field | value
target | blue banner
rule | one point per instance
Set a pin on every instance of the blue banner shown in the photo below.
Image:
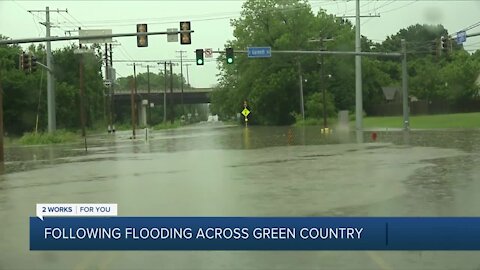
(254, 233)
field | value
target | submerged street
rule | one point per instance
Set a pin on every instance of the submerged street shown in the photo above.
(211, 169)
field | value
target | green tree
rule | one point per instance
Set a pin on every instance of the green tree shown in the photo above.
(314, 105)
(271, 85)
(25, 93)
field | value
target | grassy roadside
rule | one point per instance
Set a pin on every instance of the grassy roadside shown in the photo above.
(315, 122)
(458, 120)
(60, 136)
(438, 121)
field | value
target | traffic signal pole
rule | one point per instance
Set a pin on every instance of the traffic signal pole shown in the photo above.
(2, 156)
(33, 40)
(172, 109)
(165, 93)
(52, 122)
(358, 72)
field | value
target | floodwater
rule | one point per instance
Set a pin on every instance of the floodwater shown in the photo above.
(217, 170)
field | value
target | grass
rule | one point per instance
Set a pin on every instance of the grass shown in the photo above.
(458, 120)
(314, 122)
(59, 136)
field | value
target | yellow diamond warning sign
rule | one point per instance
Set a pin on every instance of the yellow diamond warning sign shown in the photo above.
(245, 112)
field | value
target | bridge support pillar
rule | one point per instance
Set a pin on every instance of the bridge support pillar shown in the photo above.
(142, 113)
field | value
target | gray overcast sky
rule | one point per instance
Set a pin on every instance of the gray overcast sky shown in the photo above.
(210, 21)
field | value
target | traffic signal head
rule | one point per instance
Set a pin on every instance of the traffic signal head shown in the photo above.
(142, 40)
(185, 38)
(443, 42)
(33, 63)
(199, 54)
(229, 53)
(26, 62)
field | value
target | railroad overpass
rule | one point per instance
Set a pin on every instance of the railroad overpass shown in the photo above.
(190, 96)
(122, 100)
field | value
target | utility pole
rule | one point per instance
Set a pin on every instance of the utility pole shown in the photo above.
(358, 67)
(300, 77)
(2, 155)
(165, 94)
(52, 125)
(111, 90)
(181, 79)
(406, 121)
(82, 102)
(188, 79)
(322, 79)
(358, 72)
(172, 110)
(132, 100)
(149, 97)
(322, 83)
(105, 105)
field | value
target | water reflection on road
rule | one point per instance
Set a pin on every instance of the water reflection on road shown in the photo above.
(216, 170)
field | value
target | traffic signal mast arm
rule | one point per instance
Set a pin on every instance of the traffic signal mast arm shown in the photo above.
(44, 66)
(42, 39)
(385, 54)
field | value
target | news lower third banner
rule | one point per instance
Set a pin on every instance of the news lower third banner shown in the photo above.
(254, 233)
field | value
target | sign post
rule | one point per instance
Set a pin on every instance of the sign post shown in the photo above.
(245, 112)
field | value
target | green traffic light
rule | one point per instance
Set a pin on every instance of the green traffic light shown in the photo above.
(199, 61)
(229, 55)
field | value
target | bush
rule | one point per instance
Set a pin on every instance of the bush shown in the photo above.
(314, 106)
(60, 136)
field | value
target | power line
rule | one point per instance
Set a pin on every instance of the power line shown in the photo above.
(400, 7)
(169, 20)
(73, 24)
(124, 51)
(472, 44)
(75, 19)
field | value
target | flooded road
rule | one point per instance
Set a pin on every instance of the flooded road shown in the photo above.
(217, 170)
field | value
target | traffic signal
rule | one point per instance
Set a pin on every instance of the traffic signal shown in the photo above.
(33, 63)
(142, 40)
(20, 61)
(230, 58)
(185, 38)
(199, 53)
(26, 62)
(444, 43)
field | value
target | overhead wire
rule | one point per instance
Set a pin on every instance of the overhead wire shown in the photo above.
(175, 19)
(33, 16)
(400, 7)
(75, 19)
